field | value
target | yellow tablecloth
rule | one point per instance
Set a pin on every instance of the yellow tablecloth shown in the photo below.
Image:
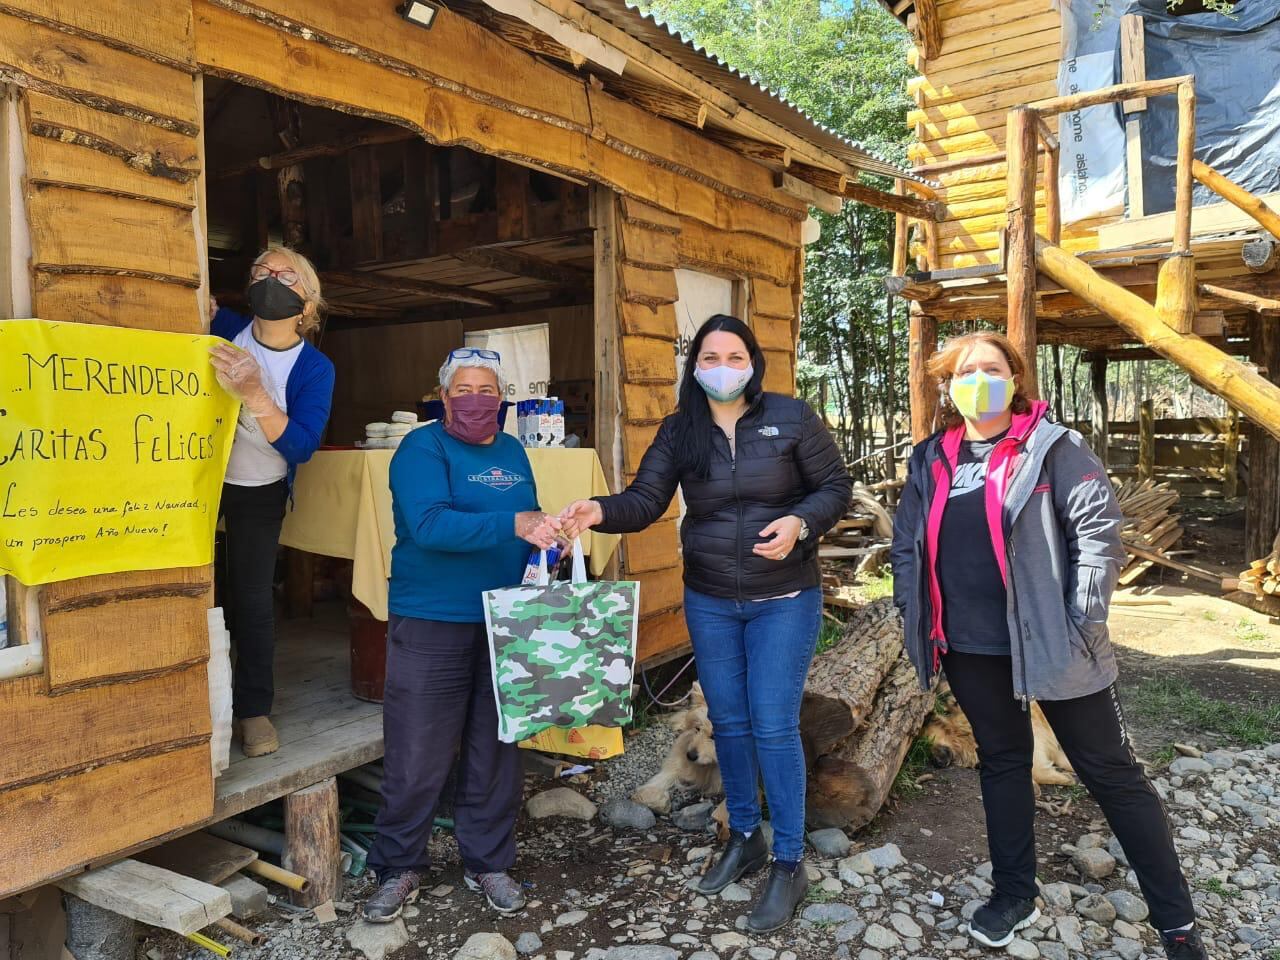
(342, 508)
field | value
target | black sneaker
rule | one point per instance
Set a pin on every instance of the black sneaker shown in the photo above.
(503, 893)
(1184, 945)
(742, 855)
(995, 924)
(396, 890)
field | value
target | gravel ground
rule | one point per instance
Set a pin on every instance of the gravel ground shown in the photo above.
(604, 893)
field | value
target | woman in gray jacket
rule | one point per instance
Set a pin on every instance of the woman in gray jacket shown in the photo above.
(1006, 550)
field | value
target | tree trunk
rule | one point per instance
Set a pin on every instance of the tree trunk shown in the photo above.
(311, 841)
(863, 708)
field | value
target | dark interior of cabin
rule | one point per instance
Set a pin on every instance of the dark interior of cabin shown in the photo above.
(420, 249)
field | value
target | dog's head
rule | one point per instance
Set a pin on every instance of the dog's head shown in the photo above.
(693, 731)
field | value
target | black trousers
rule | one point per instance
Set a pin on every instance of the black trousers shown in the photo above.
(439, 705)
(1092, 733)
(253, 517)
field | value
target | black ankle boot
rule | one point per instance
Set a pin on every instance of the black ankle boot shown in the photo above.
(783, 892)
(742, 855)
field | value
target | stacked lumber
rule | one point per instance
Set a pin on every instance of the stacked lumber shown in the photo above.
(1149, 521)
(862, 708)
(1262, 579)
(863, 536)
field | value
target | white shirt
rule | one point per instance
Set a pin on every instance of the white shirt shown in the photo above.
(254, 461)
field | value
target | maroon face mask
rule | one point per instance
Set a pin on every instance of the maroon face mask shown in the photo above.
(473, 417)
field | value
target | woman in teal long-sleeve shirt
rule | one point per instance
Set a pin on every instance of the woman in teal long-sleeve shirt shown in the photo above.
(466, 509)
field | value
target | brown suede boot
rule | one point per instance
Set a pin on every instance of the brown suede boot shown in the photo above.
(257, 736)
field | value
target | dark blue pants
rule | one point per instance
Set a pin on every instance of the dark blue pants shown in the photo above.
(752, 662)
(439, 705)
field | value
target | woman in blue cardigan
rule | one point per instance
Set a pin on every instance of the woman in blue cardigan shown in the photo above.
(285, 387)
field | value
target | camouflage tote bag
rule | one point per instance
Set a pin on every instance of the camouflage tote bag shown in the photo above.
(562, 654)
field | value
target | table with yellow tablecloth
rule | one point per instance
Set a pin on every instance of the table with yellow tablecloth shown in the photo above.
(342, 508)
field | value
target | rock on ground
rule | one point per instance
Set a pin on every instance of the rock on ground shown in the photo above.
(486, 946)
(528, 943)
(623, 814)
(1130, 908)
(377, 940)
(1094, 863)
(831, 842)
(560, 802)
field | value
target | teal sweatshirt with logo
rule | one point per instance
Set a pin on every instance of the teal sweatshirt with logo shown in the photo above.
(454, 506)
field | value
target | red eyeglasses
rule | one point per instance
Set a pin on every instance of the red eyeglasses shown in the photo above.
(260, 271)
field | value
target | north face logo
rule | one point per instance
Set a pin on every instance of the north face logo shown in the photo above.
(495, 478)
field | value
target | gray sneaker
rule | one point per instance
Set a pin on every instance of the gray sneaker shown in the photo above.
(396, 890)
(503, 893)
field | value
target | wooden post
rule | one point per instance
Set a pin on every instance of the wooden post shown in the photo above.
(1052, 200)
(924, 395)
(1058, 399)
(312, 848)
(1231, 457)
(290, 180)
(1133, 68)
(299, 583)
(1147, 439)
(608, 407)
(900, 228)
(513, 201)
(1020, 144)
(1176, 292)
(1099, 419)
(1262, 499)
(1186, 157)
(366, 204)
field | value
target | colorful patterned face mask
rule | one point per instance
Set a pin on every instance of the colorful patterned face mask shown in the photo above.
(979, 396)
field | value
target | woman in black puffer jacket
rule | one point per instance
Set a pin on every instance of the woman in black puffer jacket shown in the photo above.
(762, 481)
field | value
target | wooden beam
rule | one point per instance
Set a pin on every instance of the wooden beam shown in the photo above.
(366, 204)
(660, 101)
(1020, 141)
(311, 842)
(410, 287)
(1099, 418)
(1236, 382)
(1133, 69)
(773, 154)
(522, 264)
(1119, 91)
(1266, 306)
(290, 180)
(153, 895)
(928, 210)
(909, 288)
(901, 228)
(1186, 161)
(1238, 196)
(1052, 201)
(512, 193)
(333, 148)
(1231, 457)
(1261, 256)
(928, 28)
(802, 190)
(1176, 292)
(831, 181)
(608, 429)
(580, 42)
(923, 336)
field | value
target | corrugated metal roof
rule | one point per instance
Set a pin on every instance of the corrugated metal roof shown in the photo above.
(751, 94)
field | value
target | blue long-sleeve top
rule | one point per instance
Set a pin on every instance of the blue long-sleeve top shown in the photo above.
(308, 394)
(454, 506)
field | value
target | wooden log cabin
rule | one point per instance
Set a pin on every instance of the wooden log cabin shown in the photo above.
(1176, 261)
(450, 167)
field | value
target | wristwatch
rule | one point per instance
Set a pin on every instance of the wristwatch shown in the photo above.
(804, 529)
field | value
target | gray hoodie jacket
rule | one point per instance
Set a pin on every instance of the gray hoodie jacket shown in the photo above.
(1062, 553)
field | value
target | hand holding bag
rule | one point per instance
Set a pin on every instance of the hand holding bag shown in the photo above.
(562, 654)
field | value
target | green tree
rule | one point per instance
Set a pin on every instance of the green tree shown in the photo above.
(845, 65)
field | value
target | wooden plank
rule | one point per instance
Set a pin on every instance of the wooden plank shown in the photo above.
(76, 228)
(655, 218)
(722, 251)
(779, 375)
(1158, 228)
(110, 587)
(641, 285)
(648, 248)
(57, 163)
(648, 360)
(1021, 50)
(772, 299)
(648, 402)
(157, 30)
(979, 104)
(200, 856)
(636, 440)
(513, 202)
(1009, 74)
(116, 301)
(661, 590)
(651, 549)
(52, 827)
(773, 333)
(975, 23)
(91, 72)
(641, 319)
(662, 635)
(606, 340)
(51, 736)
(152, 894)
(144, 146)
(366, 204)
(130, 637)
(956, 41)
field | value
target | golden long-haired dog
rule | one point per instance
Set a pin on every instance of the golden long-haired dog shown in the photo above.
(691, 762)
(952, 743)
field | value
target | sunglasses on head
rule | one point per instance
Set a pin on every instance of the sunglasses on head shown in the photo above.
(466, 353)
(260, 271)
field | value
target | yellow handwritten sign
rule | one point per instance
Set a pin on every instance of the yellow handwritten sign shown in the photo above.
(113, 446)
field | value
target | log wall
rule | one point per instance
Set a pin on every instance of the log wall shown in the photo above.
(111, 743)
(994, 55)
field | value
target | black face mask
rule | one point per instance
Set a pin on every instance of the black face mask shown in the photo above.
(272, 300)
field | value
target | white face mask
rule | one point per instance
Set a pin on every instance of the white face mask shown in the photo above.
(724, 383)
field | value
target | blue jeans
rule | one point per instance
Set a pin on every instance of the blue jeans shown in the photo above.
(752, 662)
